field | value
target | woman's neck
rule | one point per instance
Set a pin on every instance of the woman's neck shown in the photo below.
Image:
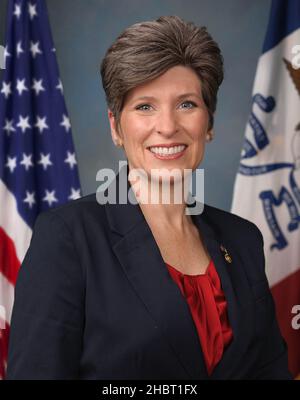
(163, 199)
(167, 216)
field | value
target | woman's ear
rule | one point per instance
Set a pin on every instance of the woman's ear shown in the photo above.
(113, 129)
(210, 135)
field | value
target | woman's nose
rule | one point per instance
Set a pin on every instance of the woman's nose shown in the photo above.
(166, 123)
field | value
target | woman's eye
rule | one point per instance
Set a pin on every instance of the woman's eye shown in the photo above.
(143, 107)
(191, 103)
(146, 107)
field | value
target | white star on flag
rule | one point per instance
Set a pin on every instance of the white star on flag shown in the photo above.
(27, 161)
(6, 89)
(32, 10)
(21, 86)
(29, 199)
(17, 11)
(50, 197)
(66, 123)
(41, 123)
(45, 160)
(34, 48)
(75, 194)
(19, 48)
(23, 123)
(60, 86)
(8, 127)
(38, 86)
(6, 53)
(71, 159)
(11, 163)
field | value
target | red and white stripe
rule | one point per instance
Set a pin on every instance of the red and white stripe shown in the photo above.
(15, 237)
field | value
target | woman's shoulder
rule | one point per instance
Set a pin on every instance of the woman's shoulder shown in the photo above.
(231, 225)
(76, 211)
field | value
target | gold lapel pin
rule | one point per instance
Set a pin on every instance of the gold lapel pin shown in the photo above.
(226, 254)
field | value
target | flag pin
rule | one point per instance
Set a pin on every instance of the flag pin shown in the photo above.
(226, 254)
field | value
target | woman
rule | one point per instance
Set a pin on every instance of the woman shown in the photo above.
(148, 290)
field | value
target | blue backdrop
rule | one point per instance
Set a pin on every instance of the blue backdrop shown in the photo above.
(82, 31)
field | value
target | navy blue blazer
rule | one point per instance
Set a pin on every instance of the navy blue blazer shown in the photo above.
(94, 300)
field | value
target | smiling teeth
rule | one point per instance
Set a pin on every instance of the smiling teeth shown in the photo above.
(162, 151)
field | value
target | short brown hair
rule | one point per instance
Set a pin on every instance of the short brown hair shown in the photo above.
(147, 49)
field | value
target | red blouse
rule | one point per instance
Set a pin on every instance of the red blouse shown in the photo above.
(208, 306)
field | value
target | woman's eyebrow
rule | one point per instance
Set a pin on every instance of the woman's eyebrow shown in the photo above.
(178, 97)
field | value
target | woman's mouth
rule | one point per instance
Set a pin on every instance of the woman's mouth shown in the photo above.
(167, 153)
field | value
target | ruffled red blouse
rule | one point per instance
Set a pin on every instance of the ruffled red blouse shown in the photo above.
(208, 306)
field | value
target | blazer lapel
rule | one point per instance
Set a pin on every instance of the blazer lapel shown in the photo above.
(236, 289)
(141, 260)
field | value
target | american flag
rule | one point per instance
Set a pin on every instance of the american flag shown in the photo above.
(38, 168)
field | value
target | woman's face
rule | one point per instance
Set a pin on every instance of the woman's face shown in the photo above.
(167, 111)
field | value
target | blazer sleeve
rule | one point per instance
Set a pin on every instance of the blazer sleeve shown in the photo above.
(274, 356)
(48, 313)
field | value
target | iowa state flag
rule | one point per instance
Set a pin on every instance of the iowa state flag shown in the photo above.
(38, 168)
(267, 186)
